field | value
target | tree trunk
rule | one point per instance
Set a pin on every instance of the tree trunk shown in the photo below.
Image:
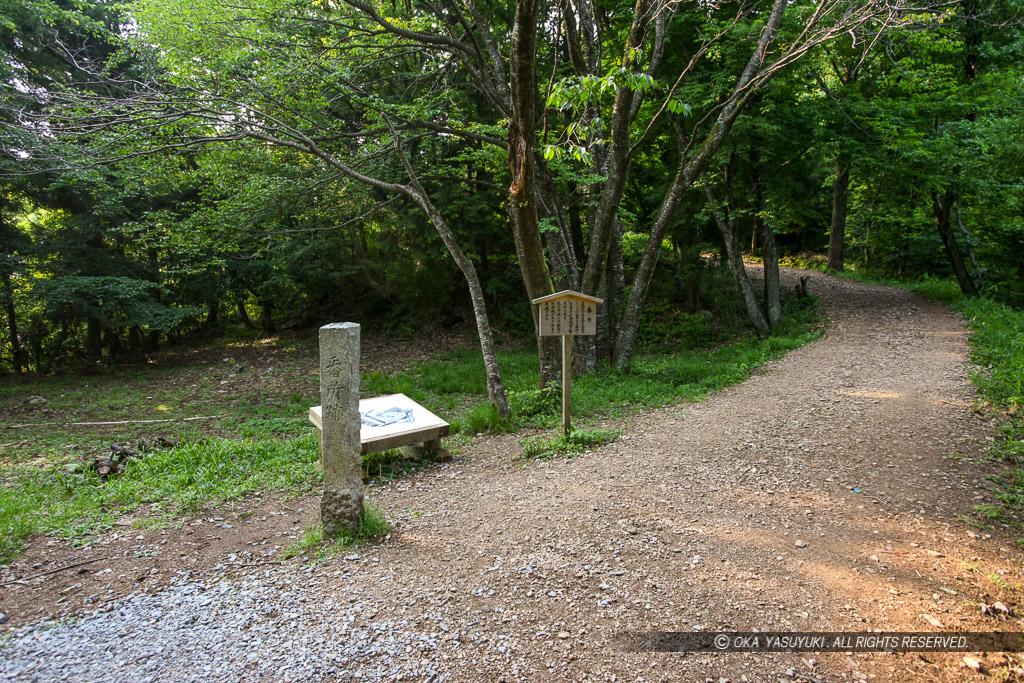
(772, 294)
(837, 232)
(576, 225)
(769, 250)
(93, 340)
(978, 270)
(266, 318)
(113, 338)
(212, 315)
(135, 341)
(630, 324)
(688, 170)
(943, 210)
(17, 355)
(615, 280)
(58, 347)
(522, 192)
(691, 287)
(734, 256)
(562, 252)
(244, 315)
(604, 217)
(495, 386)
(563, 269)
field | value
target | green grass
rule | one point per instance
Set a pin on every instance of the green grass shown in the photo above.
(267, 399)
(574, 443)
(312, 536)
(372, 523)
(79, 504)
(997, 347)
(997, 340)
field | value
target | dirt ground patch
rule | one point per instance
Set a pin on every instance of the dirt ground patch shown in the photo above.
(833, 491)
(185, 393)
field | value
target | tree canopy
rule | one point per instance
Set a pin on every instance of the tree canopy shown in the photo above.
(170, 164)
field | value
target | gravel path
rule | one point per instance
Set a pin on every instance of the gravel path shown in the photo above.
(822, 494)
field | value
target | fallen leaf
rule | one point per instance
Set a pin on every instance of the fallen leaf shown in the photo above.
(973, 663)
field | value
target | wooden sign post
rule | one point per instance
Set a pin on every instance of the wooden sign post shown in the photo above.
(564, 314)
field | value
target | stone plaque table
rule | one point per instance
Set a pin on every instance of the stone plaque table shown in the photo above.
(392, 421)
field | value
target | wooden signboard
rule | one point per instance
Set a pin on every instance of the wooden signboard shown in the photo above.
(567, 313)
(564, 314)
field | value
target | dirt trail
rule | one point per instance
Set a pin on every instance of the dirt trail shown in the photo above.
(821, 495)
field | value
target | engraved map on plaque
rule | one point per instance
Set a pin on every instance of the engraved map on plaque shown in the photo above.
(386, 416)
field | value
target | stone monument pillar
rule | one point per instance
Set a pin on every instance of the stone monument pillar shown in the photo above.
(339, 397)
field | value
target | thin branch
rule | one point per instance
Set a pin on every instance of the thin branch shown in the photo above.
(52, 571)
(104, 424)
(356, 219)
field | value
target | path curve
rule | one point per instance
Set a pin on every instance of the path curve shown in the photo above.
(820, 495)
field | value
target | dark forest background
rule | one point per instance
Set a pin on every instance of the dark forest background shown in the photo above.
(173, 171)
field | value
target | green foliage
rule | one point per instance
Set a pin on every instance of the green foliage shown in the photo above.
(312, 536)
(481, 418)
(664, 325)
(997, 338)
(118, 301)
(997, 346)
(273, 427)
(940, 289)
(533, 402)
(576, 442)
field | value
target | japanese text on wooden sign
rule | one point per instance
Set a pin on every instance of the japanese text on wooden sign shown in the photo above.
(566, 316)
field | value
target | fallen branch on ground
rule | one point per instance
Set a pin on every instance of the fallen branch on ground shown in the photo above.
(52, 571)
(118, 422)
